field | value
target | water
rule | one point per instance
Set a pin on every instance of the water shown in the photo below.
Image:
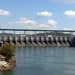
(43, 61)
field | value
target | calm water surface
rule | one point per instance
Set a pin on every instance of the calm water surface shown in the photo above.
(43, 61)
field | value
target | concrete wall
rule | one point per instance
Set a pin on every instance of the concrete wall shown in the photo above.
(36, 41)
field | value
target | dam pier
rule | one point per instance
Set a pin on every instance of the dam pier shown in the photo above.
(37, 38)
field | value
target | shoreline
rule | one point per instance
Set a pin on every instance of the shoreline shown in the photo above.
(8, 66)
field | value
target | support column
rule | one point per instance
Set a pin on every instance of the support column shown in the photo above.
(45, 33)
(35, 33)
(14, 32)
(3, 37)
(24, 32)
(3, 32)
(55, 33)
(20, 40)
(14, 37)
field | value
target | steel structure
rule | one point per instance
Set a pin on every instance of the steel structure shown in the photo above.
(36, 30)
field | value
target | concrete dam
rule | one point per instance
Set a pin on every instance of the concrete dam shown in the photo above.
(37, 40)
(48, 38)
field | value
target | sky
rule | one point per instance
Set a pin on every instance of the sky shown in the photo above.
(37, 14)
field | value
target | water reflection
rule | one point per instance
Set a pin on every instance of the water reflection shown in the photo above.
(44, 61)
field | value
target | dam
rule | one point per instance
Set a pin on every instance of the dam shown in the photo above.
(49, 38)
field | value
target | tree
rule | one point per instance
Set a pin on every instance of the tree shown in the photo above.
(8, 51)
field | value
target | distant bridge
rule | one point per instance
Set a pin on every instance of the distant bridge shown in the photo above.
(38, 40)
(36, 30)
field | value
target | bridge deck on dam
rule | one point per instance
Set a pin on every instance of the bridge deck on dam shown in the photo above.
(58, 38)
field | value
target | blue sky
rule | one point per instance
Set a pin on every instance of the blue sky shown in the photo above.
(37, 14)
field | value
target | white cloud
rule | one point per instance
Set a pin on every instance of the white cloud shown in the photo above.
(70, 14)
(29, 24)
(44, 14)
(22, 22)
(52, 23)
(64, 1)
(4, 12)
(67, 29)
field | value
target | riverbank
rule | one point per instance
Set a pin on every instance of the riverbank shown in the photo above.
(4, 65)
(6, 57)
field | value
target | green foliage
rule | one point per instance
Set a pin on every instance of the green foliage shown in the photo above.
(8, 51)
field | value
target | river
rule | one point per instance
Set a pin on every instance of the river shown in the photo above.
(43, 61)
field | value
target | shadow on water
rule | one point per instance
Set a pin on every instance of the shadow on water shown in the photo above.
(9, 72)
